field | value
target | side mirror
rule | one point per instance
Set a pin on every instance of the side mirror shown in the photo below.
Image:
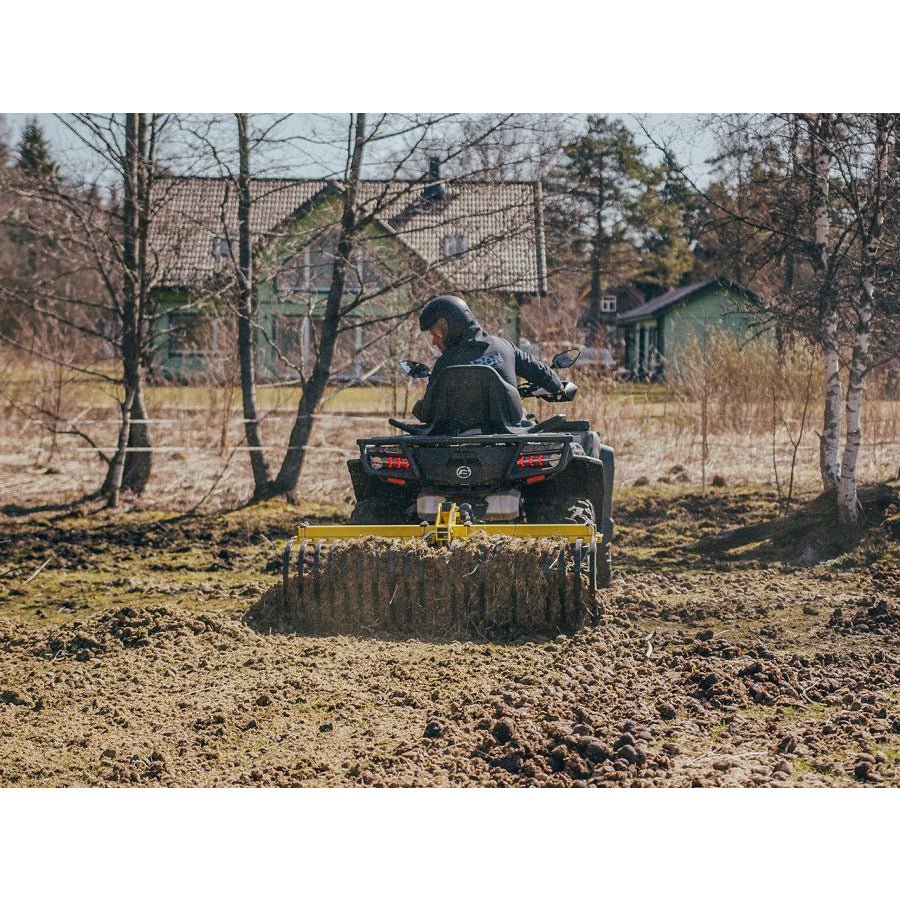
(565, 359)
(415, 369)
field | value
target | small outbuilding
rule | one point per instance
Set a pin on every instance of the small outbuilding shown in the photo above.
(658, 330)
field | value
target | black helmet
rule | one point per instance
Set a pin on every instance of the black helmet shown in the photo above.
(456, 312)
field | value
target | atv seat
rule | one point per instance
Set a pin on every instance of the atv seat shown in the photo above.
(466, 398)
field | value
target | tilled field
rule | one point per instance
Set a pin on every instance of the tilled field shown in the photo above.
(734, 672)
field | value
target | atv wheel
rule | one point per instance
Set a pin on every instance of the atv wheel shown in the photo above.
(569, 510)
(376, 512)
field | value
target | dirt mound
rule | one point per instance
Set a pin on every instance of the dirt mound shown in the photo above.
(484, 587)
(126, 627)
(882, 617)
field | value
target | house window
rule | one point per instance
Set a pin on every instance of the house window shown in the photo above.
(454, 244)
(192, 335)
(223, 248)
(608, 303)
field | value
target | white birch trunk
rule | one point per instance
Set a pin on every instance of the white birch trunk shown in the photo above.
(829, 440)
(831, 431)
(848, 506)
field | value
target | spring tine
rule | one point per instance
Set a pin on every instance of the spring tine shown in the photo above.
(407, 589)
(561, 576)
(578, 547)
(317, 581)
(514, 593)
(329, 580)
(286, 572)
(466, 601)
(592, 576)
(482, 587)
(393, 586)
(301, 564)
(420, 567)
(363, 569)
(317, 555)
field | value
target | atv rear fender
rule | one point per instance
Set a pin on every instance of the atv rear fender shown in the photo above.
(584, 477)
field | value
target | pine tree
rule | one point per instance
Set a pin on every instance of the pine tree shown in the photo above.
(616, 220)
(34, 158)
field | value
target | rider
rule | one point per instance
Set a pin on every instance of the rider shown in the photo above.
(455, 332)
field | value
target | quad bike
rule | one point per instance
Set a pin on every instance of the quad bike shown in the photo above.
(478, 469)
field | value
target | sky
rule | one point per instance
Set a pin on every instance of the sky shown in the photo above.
(692, 143)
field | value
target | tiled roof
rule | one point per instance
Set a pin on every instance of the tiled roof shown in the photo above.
(499, 221)
(651, 307)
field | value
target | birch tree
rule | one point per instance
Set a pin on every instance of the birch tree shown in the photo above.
(817, 226)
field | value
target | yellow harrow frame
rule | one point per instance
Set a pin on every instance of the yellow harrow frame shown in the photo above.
(331, 582)
(447, 527)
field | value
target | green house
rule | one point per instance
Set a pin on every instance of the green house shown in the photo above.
(657, 331)
(481, 240)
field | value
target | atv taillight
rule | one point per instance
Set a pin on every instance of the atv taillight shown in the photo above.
(389, 461)
(538, 460)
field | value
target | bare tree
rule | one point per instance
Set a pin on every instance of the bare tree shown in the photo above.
(84, 228)
(823, 196)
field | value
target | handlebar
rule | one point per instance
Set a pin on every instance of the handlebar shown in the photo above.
(566, 395)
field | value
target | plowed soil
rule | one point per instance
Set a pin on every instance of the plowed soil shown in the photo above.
(128, 659)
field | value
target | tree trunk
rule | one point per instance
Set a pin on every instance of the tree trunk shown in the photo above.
(138, 464)
(830, 438)
(314, 389)
(246, 323)
(831, 431)
(113, 484)
(848, 505)
(130, 347)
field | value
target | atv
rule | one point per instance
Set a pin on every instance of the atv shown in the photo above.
(482, 454)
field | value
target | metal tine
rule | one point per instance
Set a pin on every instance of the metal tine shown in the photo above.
(286, 571)
(514, 593)
(407, 589)
(301, 564)
(561, 576)
(482, 587)
(393, 586)
(317, 581)
(420, 566)
(592, 576)
(577, 552)
(466, 601)
(361, 564)
(329, 579)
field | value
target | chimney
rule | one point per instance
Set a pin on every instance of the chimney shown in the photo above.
(434, 188)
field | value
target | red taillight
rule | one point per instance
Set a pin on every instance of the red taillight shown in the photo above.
(396, 481)
(532, 461)
(397, 462)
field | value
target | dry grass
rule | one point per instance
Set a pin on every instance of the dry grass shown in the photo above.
(754, 412)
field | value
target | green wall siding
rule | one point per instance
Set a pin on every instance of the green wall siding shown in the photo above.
(714, 309)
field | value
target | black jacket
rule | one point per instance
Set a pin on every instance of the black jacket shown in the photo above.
(478, 348)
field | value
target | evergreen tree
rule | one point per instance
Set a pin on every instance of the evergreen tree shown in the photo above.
(34, 158)
(616, 221)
